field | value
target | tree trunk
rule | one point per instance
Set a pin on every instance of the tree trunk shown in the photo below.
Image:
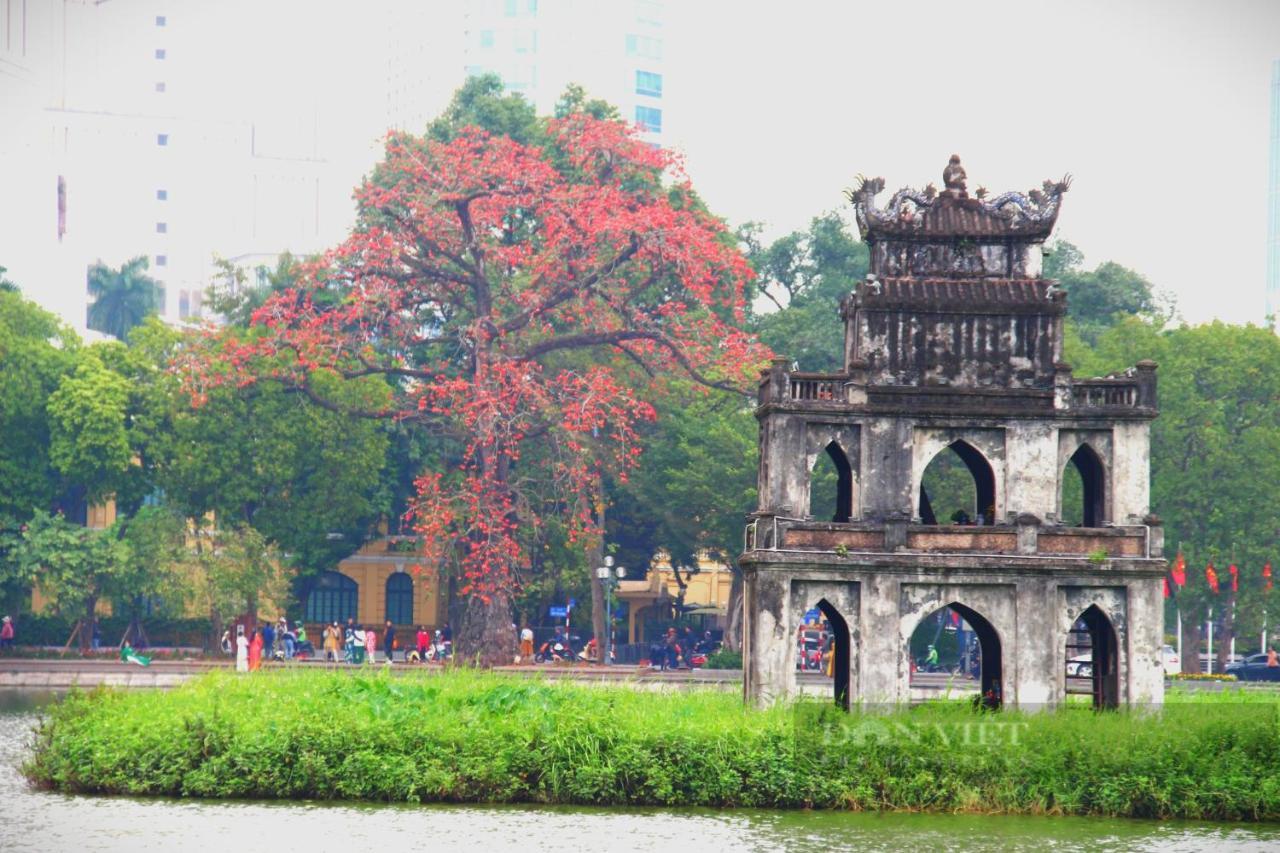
(484, 638)
(1191, 638)
(215, 623)
(1222, 644)
(733, 628)
(86, 624)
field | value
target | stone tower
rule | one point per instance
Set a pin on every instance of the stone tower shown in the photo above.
(954, 344)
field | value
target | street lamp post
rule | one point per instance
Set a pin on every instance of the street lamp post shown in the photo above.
(609, 575)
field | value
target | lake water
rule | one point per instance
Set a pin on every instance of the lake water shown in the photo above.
(51, 823)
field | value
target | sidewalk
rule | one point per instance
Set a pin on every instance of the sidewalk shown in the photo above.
(47, 673)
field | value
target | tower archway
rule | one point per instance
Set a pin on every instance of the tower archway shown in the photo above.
(956, 647)
(945, 490)
(1093, 655)
(1084, 489)
(831, 485)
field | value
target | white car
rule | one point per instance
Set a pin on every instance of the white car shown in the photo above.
(1172, 663)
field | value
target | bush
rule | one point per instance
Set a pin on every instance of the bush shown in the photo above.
(50, 630)
(474, 737)
(723, 658)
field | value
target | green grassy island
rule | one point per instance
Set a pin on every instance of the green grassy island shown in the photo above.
(481, 738)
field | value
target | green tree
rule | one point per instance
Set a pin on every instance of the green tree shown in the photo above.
(7, 286)
(235, 296)
(1098, 299)
(806, 274)
(74, 566)
(36, 351)
(1215, 454)
(122, 298)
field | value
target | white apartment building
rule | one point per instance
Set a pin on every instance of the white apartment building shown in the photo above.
(174, 129)
(615, 50)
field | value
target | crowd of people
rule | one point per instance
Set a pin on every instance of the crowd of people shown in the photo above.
(681, 649)
(351, 643)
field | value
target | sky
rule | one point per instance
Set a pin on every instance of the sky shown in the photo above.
(1158, 109)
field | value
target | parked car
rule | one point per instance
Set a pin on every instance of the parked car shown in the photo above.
(1254, 668)
(1172, 663)
(1080, 666)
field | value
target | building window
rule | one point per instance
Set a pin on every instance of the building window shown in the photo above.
(160, 86)
(400, 599)
(162, 227)
(160, 21)
(184, 305)
(332, 599)
(646, 46)
(162, 195)
(162, 260)
(486, 38)
(650, 118)
(649, 83)
(649, 13)
(162, 139)
(525, 41)
(160, 53)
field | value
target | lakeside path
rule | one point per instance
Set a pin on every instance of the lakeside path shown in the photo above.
(46, 673)
(61, 674)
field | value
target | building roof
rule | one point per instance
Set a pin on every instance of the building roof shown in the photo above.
(929, 215)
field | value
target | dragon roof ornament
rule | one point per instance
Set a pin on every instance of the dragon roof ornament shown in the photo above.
(911, 212)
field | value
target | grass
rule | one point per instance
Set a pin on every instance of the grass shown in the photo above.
(475, 737)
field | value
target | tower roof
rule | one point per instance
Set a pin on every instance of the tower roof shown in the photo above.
(929, 215)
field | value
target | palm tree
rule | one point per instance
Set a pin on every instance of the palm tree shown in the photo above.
(122, 298)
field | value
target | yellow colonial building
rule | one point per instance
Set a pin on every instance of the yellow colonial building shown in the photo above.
(650, 600)
(376, 584)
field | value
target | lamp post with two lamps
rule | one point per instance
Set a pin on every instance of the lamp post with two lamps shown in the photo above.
(609, 575)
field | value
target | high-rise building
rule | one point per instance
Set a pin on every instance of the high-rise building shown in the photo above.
(538, 47)
(164, 128)
(1273, 203)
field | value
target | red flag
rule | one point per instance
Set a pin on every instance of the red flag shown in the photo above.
(1212, 578)
(1266, 573)
(1235, 585)
(1166, 588)
(1180, 570)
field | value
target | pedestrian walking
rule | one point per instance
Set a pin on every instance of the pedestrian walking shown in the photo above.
(389, 641)
(242, 650)
(526, 645)
(423, 640)
(6, 633)
(370, 645)
(255, 650)
(287, 638)
(268, 639)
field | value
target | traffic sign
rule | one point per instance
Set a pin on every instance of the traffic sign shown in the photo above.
(559, 612)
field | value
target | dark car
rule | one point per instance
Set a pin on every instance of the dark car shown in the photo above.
(1254, 668)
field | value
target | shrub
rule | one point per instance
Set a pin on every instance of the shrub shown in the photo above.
(723, 658)
(476, 737)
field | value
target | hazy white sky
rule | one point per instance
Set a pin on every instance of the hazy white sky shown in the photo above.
(1159, 109)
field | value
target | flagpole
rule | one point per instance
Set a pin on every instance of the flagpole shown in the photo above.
(1211, 640)
(1179, 610)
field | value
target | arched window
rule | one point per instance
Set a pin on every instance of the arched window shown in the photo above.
(958, 487)
(823, 650)
(955, 647)
(1092, 658)
(400, 599)
(333, 597)
(831, 486)
(1084, 489)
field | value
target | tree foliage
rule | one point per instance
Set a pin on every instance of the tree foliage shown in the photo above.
(122, 298)
(481, 271)
(1098, 299)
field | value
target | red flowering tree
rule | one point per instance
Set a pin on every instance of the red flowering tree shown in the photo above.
(524, 300)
